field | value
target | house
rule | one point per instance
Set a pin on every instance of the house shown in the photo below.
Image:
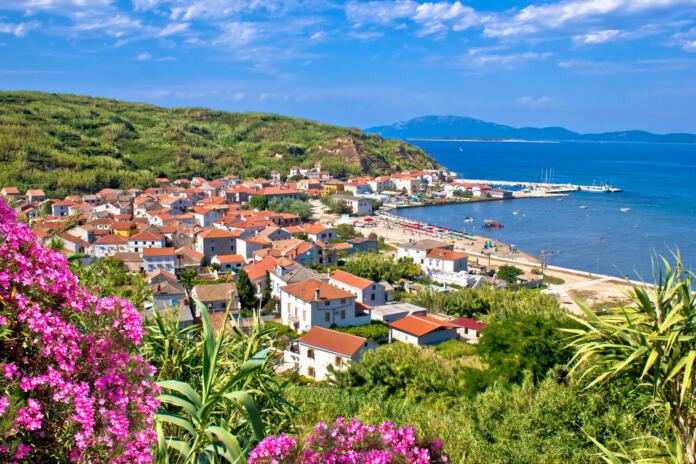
(530, 280)
(359, 206)
(171, 294)
(298, 250)
(357, 188)
(285, 275)
(441, 260)
(470, 330)
(132, 262)
(61, 208)
(124, 228)
(247, 246)
(314, 302)
(390, 312)
(10, 192)
(160, 275)
(504, 194)
(158, 258)
(365, 290)
(273, 234)
(35, 195)
(187, 258)
(278, 192)
(217, 297)
(72, 243)
(142, 240)
(422, 330)
(257, 271)
(204, 216)
(318, 232)
(322, 348)
(108, 245)
(216, 242)
(417, 251)
(229, 262)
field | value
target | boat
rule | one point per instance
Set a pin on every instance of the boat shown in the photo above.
(516, 212)
(492, 223)
(625, 210)
(583, 207)
(468, 219)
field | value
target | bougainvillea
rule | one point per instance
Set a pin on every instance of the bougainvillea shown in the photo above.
(350, 442)
(71, 386)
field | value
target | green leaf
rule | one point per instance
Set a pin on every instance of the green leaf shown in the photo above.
(178, 421)
(183, 388)
(252, 411)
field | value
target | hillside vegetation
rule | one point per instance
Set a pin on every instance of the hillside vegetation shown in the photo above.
(69, 144)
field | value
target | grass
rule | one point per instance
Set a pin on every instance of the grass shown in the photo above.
(549, 279)
(70, 144)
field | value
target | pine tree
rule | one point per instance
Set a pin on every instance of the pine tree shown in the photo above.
(246, 291)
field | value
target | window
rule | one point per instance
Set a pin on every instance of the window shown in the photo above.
(327, 317)
(343, 301)
(338, 361)
(372, 297)
(327, 303)
(310, 372)
(231, 247)
(212, 241)
(304, 315)
(310, 353)
(212, 249)
(343, 314)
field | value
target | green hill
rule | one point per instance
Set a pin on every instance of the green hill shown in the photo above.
(69, 144)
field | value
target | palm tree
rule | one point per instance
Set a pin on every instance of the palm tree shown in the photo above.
(652, 342)
(208, 420)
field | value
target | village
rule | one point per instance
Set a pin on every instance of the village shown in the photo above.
(214, 230)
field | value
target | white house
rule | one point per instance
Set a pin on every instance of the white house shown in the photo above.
(229, 262)
(322, 348)
(108, 245)
(315, 303)
(360, 206)
(318, 233)
(422, 330)
(365, 290)
(142, 240)
(158, 258)
(470, 329)
(417, 251)
(440, 260)
(285, 275)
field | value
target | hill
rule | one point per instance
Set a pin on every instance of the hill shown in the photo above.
(71, 144)
(462, 127)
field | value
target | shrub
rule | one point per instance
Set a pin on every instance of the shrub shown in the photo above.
(372, 331)
(72, 389)
(350, 441)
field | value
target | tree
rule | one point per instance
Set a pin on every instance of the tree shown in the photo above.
(267, 301)
(56, 244)
(258, 202)
(346, 231)
(650, 342)
(215, 266)
(379, 267)
(246, 291)
(509, 273)
(523, 342)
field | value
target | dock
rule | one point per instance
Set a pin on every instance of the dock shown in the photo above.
(548, 187)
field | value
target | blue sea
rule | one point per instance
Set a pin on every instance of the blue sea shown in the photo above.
(659, 187)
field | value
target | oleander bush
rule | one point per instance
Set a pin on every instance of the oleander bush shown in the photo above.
(72, 386)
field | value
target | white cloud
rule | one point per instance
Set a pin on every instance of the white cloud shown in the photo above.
(596, 37)
(317, 36)
(174, 28)
(238, 33)
(480, 60)
(19, 29)
(531, 102)
(686, 40)
(144, 56)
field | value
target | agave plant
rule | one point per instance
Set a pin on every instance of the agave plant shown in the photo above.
(211, 421)
(653, 342)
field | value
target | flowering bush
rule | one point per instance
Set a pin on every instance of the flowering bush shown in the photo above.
(350, 442)
(70, 386)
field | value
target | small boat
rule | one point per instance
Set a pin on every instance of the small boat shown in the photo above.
(583, 207)
(516, 212)
(468, 219)
(625, 210)
(493, 224)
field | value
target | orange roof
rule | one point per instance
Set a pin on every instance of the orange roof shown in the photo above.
(258, 269)
(147, 236)
(111, 239)
(313, 228)
(218, 233)
(230, 259)
(420, 325)
(306, 291)
(277, 191)
(11, 190)
(445, 254)
(331, 340)
(350, 279)
(154, 252)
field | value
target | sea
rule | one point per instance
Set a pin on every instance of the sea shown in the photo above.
(586, 231)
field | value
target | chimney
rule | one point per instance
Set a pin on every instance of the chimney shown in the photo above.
(316, 294)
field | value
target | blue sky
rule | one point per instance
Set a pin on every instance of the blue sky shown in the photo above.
(589, 65)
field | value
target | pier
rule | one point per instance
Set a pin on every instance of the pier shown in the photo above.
(548, 187)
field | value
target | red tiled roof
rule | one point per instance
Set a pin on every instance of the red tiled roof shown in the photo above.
(155, 252)
(147, 236)
(420, 325)
(112, 239)
(306, 291)
(450, 255)
(217, 233)
(469, 323)
(230, 259)
(350, 279)
(331, 340)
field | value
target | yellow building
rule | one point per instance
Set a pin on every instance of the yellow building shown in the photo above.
(124, 229)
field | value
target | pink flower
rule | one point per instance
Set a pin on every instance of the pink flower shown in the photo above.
(22, 450)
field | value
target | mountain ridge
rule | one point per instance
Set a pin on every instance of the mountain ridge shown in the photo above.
(450, 126)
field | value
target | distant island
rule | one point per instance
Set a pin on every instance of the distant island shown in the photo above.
(464, 128)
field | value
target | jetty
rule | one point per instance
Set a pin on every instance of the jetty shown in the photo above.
(544, 186)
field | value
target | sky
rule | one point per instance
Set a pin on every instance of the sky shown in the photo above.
(588, 65)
